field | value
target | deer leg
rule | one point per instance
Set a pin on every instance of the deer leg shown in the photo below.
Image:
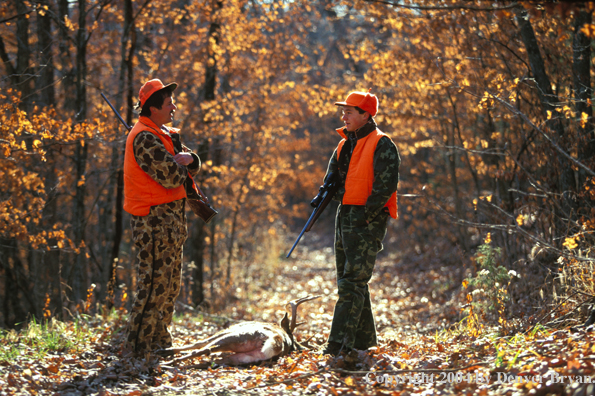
(219, 345)
(201, 352)
(231, 360)
(197, 345)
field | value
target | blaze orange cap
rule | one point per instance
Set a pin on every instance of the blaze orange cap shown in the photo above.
(364, 100)
(152, 86)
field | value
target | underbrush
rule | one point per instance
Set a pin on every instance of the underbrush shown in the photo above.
(37, 340)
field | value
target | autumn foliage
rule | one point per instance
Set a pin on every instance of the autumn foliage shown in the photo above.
(488, 270)
(489, 103)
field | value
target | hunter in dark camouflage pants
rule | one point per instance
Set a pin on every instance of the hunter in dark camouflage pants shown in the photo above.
(159, 238)
(359, 232)
(356, 246)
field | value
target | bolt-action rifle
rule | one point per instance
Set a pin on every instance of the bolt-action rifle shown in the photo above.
(326, 193)
(197, 200)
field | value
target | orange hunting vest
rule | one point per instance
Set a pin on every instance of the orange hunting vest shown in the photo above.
(360, 176)
(140, 190)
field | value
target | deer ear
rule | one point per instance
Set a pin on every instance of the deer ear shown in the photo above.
(285, 324)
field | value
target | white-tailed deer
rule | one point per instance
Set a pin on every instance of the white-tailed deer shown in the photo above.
(250, 342)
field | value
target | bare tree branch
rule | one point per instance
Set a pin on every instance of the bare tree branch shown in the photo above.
(15, 16)
(461, 6)
(545, 135)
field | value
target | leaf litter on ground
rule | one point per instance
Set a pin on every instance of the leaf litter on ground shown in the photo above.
(423, 346)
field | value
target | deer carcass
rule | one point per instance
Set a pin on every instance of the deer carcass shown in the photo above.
(250, 342)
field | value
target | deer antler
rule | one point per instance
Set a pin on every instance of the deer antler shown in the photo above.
(294, 306)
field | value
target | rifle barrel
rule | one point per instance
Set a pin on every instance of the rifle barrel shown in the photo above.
(116, 112)
(324, 197)
(303, 231)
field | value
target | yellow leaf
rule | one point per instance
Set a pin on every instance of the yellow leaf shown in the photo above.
(570, 243)
(349, 381)
(519, 220)
(584, 119)
(68, 23)
(81, 182)
(488, 238)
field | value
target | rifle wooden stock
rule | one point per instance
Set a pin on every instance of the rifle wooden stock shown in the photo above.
(202, 209)
(198, 201)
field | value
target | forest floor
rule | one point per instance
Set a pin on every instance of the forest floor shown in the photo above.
(424, 346)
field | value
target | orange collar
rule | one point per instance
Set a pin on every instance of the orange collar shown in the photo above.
(146, 121)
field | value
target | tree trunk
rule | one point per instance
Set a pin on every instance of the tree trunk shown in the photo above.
(51, 260)
(116, 185)
(23, 56)
(78, 278)
(549, 101)
(67, 74)
(44, 84)
(209, 95)
(18, 298)
(452, 168)
(581, 69)
(18, 72)
(213, 258)
(198, 294)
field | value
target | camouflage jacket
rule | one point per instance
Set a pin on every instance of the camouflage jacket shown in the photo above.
(153, 158)
(386, 169)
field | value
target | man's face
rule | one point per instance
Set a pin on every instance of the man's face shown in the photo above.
(352, 119)
(165, 114)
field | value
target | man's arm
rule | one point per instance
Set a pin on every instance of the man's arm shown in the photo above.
(195, 165)
(386, 176)
(190, 160)
(153, 158)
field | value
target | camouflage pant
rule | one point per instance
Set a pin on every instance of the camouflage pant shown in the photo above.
(159, 238)
(356, 246)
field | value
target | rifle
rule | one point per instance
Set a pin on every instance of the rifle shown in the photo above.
(197, 200)
(116, 113)
(325, 194)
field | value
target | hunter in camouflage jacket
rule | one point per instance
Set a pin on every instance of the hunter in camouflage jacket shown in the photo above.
(159, 238)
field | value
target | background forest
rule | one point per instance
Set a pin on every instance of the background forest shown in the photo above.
(489, 103)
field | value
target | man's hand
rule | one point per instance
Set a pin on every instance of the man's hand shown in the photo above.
(183, 158)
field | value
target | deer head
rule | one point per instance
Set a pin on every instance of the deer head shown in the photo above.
(290, 327)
